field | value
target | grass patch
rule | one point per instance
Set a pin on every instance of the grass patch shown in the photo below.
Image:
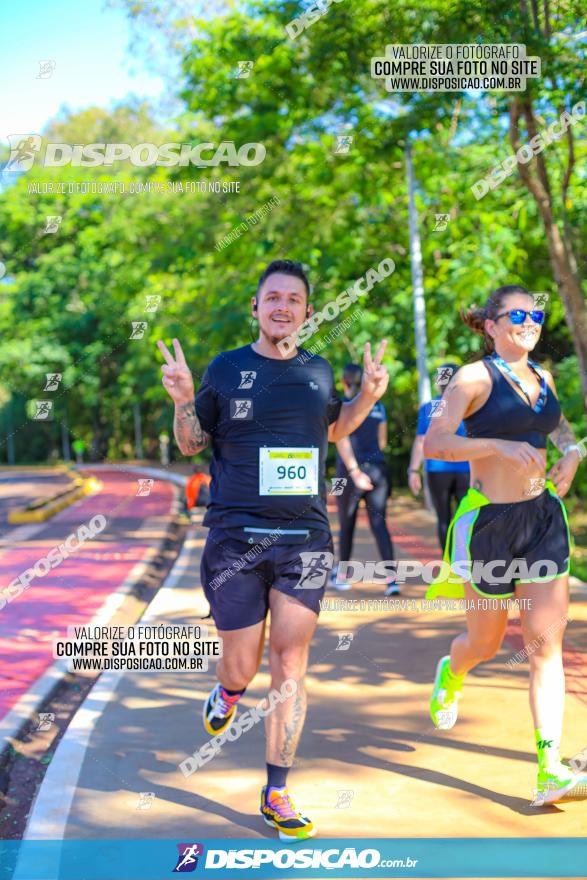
(578, 525)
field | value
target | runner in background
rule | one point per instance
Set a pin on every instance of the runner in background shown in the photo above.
(448, 481)
(197, 490)
(361, 464)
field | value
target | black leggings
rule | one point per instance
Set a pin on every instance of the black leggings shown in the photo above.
(444, 486)
(376, 501)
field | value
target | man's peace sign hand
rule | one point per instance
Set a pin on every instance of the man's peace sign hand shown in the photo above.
(177, 379)
(375, 376)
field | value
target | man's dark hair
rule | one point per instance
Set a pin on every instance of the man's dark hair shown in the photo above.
(285, 267)
(352, 374)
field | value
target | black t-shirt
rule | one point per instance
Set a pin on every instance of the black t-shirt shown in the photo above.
(365, 440)
(247, 402)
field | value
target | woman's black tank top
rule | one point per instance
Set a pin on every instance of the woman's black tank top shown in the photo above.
(506, 416)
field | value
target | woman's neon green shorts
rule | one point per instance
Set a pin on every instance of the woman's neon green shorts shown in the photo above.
(496, 546)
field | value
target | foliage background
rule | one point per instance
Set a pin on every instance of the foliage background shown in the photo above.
(68, 299)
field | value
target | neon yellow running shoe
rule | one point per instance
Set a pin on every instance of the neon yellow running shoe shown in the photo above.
(558, 784)
(444, 706)
(279, 812)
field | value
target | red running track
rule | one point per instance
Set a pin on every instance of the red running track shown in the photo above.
(73, 591)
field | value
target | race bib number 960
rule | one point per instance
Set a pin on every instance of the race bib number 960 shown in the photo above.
(288, 470)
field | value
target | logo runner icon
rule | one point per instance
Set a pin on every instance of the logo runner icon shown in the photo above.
(188, 857)
(23, 149)
(247, 378)
(241, 409)
(315, 568)
(338, 485)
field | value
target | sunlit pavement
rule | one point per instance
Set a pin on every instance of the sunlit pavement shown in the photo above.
(370, 762)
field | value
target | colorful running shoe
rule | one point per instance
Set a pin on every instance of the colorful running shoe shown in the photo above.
(342, 586)
(279, 812)
(559, 784)
(392, 588)
(444, 705)
(219, 711)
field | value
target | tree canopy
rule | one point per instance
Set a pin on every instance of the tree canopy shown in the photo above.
(334, 174)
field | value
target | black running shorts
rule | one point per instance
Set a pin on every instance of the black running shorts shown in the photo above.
(237, 575)
(500, 545)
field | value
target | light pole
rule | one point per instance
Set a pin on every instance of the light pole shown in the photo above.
(424, 393)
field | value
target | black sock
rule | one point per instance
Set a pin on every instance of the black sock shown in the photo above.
(276, 776)
(233, 693)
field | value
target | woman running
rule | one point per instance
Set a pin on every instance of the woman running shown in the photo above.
(511, 525)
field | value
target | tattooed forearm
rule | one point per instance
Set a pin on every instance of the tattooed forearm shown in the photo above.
(563, 435)
(293, 729)
(187, 429)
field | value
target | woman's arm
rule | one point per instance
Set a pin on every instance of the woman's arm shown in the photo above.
(563, 471)
(417, 456)
(441, 440)
(416, 459)
(563, 435)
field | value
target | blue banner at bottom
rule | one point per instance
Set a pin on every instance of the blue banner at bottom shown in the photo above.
(336, 858)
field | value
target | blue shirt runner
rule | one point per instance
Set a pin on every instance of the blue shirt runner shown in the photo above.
(433, 465)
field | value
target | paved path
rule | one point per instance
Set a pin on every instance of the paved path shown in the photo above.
(370, 763)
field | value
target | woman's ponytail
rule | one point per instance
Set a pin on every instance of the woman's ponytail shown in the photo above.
(475, 317)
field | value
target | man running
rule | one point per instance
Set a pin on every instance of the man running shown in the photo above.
(268, 420)
(361, 464)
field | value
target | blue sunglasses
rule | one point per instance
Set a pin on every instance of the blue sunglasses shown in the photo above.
(518, 316)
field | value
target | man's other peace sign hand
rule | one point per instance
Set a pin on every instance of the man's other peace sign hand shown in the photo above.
(375, 376)
(177, 379)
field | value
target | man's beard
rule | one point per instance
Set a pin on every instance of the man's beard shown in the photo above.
(274, 340)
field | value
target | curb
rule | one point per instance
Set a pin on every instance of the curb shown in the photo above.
(33, 468)
(52, 805)
(171, 477)
(27, 706)
(39, 511)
